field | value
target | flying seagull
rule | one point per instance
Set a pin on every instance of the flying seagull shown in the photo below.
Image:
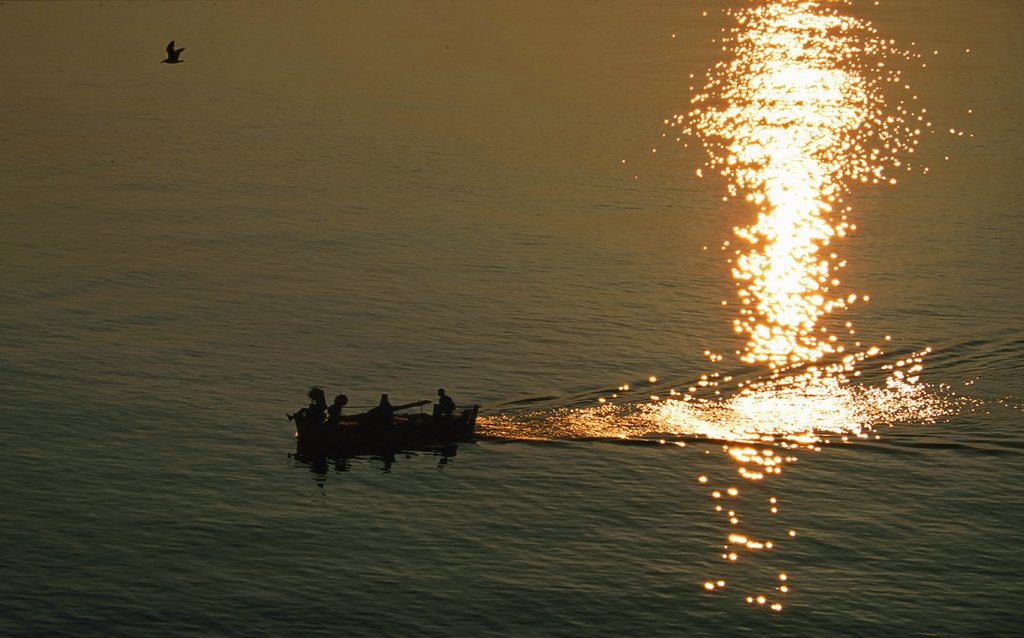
(172, 54)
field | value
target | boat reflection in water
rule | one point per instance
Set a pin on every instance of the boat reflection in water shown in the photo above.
(320, 465)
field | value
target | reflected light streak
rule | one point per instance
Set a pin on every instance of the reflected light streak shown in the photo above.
(797, 114)
(800, 111)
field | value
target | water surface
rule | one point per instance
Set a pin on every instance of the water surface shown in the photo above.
(397, 196)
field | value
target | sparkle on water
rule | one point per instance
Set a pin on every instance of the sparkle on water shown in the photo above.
(807, 103)
(796, 115)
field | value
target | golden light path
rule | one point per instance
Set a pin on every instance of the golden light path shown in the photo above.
(801, 110)
(796, 115)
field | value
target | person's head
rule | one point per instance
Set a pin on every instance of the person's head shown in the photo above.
(316, 394)
(384, 399)
(440, 392)
(341, 399)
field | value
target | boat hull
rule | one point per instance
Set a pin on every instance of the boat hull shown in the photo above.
(406, 432)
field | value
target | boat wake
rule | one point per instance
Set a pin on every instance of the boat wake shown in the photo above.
(801, 405)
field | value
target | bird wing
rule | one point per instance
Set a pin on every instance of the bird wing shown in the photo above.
(170, 49)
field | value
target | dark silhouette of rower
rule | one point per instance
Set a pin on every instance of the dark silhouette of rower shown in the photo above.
(314, 414)
(172, 54)
(382, 414)
(334, 410)
(445, 406)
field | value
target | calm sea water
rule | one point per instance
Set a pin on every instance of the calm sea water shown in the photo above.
(395, 196)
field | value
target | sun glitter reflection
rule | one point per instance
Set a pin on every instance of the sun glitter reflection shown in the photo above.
(808, 103)
(797, 114)
(800, 408)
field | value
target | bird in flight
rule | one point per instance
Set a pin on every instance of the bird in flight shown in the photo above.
(172, 54)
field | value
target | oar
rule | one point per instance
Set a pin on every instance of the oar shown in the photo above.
(414, 404)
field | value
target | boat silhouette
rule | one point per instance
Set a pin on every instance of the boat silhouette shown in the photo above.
(363, 434)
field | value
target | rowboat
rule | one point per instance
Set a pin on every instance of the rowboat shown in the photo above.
(359, 435)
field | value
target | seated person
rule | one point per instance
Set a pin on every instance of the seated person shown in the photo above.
(314, 414)
(444, 407)
(334, 410)
(382, 414)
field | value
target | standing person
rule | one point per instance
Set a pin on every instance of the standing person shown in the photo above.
(444, 407)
